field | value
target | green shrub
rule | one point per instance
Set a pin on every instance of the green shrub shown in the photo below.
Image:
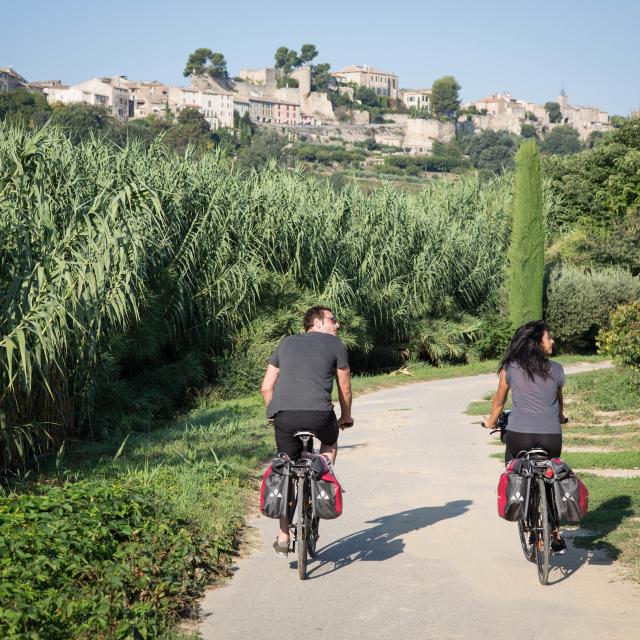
(622, 340)
(579, 302)
(89, 560)
(494, 336)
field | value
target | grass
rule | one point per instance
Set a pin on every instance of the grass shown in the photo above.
(594, 400)
(204, 463)
(613, 521)
(419, 372)
(608, 390)
(603, 460)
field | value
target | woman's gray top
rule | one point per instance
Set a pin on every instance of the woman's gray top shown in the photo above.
(535, 402)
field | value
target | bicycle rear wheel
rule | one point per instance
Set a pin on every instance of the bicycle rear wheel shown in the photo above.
(543, 548)
(302, 527)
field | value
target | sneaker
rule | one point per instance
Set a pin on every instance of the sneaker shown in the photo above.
(558, 545)
(281, 549)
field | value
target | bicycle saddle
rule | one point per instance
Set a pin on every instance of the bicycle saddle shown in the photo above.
(538, 454)
(304, 434)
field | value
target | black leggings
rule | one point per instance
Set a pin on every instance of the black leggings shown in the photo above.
(517, 442)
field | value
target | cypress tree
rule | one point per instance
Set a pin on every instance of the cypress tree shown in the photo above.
(526, 252)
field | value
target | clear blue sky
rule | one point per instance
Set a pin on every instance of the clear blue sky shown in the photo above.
(528, 48)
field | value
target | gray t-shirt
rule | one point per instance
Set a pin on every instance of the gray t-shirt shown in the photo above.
(535, 402)
(307, 363)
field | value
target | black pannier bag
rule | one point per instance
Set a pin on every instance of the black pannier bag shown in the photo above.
(274, 493)
(570, 495)
(513, 491)
(326, 492)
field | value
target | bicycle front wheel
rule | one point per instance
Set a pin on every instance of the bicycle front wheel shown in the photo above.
(313, 535)
(302, 527)
(542, 543)
(527, 539)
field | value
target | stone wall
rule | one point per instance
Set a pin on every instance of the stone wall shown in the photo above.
(420, 134)
(303, 76)
(415, 135)
(317, 104)
(497, 122)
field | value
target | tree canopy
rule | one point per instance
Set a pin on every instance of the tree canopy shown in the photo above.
(25, 106)
(445, 99)
(203, 61)
(287, 59)
(562, 140)
(492, 150)
(553, 111)
(526, 251)
(307, 53)
(321, 76)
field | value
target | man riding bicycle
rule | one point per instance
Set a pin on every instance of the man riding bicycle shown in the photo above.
(297, 390)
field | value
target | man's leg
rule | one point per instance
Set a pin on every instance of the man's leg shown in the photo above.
(330, 451)
(285, 425)
(283, 533)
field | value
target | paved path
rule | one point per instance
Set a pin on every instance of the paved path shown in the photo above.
(420, 551)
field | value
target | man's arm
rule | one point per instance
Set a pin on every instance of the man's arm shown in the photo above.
(269, 382)
(344, 396)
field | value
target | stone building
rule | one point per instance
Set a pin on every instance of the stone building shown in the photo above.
(261, 109)
(150, 99)
(286, 113)
(502, 111)
(419, 99)
(382, 82)
(215, 106)
(584, 119)
(263, 77)
(110, 93)
(10, 80)
(241, 105)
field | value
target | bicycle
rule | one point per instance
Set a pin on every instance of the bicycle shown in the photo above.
(304, 532)
(540, 518)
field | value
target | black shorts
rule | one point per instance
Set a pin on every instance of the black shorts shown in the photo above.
(517, 442)
(323, 423)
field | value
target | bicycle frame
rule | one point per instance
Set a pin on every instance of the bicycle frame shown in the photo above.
(304, 531)
(540, 518)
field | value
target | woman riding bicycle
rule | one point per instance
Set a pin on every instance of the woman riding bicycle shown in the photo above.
(536, 393)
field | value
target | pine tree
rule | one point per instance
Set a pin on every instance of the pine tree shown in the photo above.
(526, 252)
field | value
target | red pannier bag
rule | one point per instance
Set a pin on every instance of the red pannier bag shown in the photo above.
(570, 495)
(326, 492)
(274, 492)
(513, 491)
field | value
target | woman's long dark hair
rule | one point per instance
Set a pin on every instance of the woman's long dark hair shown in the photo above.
(525, 350)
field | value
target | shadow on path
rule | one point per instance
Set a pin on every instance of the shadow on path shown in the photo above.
(382, 541)
(592, 547)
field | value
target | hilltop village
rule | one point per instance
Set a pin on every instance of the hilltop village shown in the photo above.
(291, 100)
